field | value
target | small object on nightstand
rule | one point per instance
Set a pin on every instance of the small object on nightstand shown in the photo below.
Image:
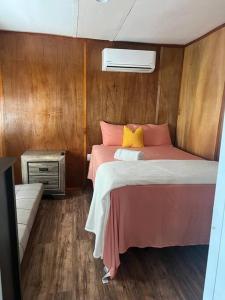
(47, 167)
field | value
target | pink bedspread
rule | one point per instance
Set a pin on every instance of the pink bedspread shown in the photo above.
(157, 216)
(154, 215)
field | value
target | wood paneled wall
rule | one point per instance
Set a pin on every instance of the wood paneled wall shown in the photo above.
(42, 93)
(115, 97)
(54, 94)
(171, 62)
(123, 98)
(1, 116)
(201, 97)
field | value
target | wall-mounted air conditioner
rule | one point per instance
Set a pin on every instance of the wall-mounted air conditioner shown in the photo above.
(124, 60)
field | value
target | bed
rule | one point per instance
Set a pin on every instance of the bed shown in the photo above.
(153, 215)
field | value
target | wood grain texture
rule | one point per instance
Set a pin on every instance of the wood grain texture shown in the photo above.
(1, 116)
(43, 108)
(117, 97)
(201, 95)
(85, 103)
(58, 262)
(55, 94)
(171, 62)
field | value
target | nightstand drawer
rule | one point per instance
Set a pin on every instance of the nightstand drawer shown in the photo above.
(49, 182)
(43, 168)
(47, 167)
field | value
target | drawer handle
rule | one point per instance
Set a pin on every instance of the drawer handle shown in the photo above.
(43, 169)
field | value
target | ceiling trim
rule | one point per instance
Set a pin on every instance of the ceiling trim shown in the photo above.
(88, 39)
(125, 42)
(205, 35)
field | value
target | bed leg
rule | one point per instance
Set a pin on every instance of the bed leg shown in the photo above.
(106, 277)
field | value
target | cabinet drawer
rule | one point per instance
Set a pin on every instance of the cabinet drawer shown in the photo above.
(49, 182)
(43, 168)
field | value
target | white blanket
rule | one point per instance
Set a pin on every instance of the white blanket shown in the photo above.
(112, 175)
(128, 155)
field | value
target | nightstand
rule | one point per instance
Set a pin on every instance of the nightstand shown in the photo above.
(47, 167)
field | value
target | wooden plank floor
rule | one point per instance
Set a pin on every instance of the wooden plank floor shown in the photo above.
(58, 262)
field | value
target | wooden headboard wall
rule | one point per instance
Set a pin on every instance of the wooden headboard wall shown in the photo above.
(123, 98)
(53, 94)
(202, 96)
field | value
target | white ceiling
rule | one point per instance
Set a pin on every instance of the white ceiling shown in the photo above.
(150, 21)
(43, 16)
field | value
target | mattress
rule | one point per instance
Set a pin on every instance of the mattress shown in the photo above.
(101, 154)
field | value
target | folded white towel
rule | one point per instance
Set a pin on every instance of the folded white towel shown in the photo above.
(125, 154)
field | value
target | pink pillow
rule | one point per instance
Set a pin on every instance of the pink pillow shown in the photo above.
(154, 135)
(112, 135)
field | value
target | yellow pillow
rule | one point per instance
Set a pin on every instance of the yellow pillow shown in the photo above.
(133, 139)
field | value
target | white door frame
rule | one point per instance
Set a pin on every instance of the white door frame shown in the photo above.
(1, 297)
(215, 274)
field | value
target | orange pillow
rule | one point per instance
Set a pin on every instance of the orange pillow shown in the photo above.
(131, 138)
